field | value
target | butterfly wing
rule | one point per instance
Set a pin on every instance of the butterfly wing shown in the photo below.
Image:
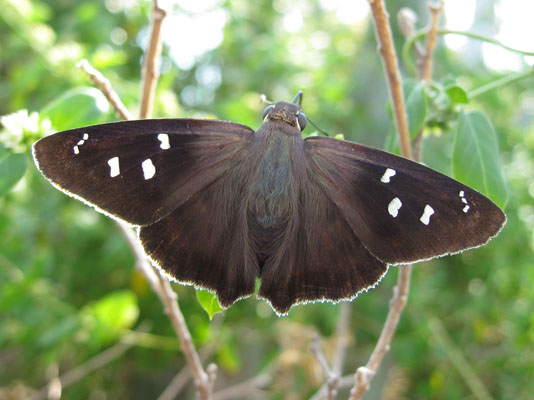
(402, 211)
(317, 256)
(205, 241)
(140, 171)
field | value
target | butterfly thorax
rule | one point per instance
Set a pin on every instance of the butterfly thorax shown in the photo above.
(270, 194)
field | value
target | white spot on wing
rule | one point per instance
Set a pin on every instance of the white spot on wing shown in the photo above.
(75, 148)
(114, 167)
(394, 207)
(149, 170)
(427, 213)
(164, 139)
(464, 200)
(387, 175)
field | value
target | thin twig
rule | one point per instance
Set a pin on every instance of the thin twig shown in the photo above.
(151, 63)
(176, 385)
(246, 389)
(140, 258)
(184, 376)
(386, 49)
(332, 378)
(364, 375)
(341, 335)
(425, 63)
(81, 371)
(105, 87)
(172, 309)
(406, 18)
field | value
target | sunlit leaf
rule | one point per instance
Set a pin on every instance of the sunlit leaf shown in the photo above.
(457, 94)
(112, 314)
(476, 159)
(209, 302)
(12, 168)
(76, 107)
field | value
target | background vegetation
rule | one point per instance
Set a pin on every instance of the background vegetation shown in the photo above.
(68, 284)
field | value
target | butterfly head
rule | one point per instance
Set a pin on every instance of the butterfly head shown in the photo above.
(290, 113)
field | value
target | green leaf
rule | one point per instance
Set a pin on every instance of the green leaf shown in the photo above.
(12, 169)
(209, 302)
(416, 108)
(457, 94)
(476, 159)
(392, 141)
(76, 107)
(111, 315)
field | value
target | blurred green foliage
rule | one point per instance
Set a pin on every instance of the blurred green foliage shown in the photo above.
(68, 287)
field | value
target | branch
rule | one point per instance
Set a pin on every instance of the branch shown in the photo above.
(172, 309)
(182, 378)
(386, 49)
(364, 375)
(340, 335)
(406, 19)
(332, 378)
(105, 87)
(245, 389)
(151, 63)
(425, 62)
(424, 58)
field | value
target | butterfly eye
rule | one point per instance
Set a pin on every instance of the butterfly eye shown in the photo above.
(302, 120)
(268, 110)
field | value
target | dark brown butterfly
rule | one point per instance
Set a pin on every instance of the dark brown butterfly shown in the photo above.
(219, 205)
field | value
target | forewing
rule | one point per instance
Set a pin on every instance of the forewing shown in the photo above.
(318, 257)
(205, 241)
(140, 171)
(402, 211)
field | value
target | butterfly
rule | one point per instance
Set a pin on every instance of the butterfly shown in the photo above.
(218, 205)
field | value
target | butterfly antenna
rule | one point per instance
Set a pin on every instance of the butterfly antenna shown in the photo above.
(265, 100)
(298, 98)
(316, 127)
